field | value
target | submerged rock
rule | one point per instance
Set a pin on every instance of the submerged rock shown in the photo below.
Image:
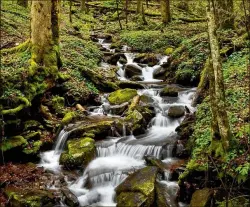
(159, 72)
(176, 111)
(201, 197)
(132, 69)
(70, 199)
(138, 189)
(79, 153)
(121, 96)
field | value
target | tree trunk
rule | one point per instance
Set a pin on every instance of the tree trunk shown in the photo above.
(23, 3)
(218, 90)
(45, 37)
(165, 11)
(83, 6)
(224, 13)
(139, 6)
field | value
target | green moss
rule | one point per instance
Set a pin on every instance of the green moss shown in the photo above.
(122, 96)
(31, 124)
(12, 142)
(68, 118)
(58, 104)
(79, 153)
(34, 149)
(169, 91)
(33, 135)
(201, 198)
(169, 51)
(131, 199)
(25, 103)
(30, 198)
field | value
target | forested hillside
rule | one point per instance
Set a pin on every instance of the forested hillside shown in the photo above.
(125, 103)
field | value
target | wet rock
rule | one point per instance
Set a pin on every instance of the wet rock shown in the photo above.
(135, 122)
(113, 59)
(119, 109)
(145, 58)
(132, 69)
(29, 197)
(159, 72)
(176, 111)
(122, 60)
(70, 199)
(186, 128)
(163, 197)
(153, 161)
(201, 197)
(121, 96)
(137, 78)
(169, 91)
(138, 189)
(79, 153)
(146, 99)
(130, 84)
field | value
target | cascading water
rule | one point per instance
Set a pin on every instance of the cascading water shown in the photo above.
(50, 159)
(117, 157)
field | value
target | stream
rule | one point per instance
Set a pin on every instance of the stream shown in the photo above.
(117, 157)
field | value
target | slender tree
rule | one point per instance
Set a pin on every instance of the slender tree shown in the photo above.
(165, 11)
(23, 3)
(221, 130)
(139, 6)
(224, 13)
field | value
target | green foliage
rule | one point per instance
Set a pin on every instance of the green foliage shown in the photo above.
(146, 41)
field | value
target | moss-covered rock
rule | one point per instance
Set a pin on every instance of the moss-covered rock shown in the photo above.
(130, 84)
(79, 153)
(135, 121)
(169, 91)
(176, 111)
(132, 69)
(13, 142)
(142, 182)
(132, 199)
(201, 198)
(121, 96)
(153, 161)
(33, 148)
(19, 197)
(69, 117)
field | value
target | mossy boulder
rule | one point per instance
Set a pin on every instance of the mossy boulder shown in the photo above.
(132, 69)
(121, 96)
(150, 59)
(135, 122)
(159, 72)
(69, 117)
(146, 99)
(186, 128)
(153, 161)
(201, 198)
(79, 153)
(19, 197)
(138, 189)
(169, 91)
(132, 199)
(13, 142)
(176, 111)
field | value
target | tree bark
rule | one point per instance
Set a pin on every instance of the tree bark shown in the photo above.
(83, 6)
(218, 88)
(165, 11)
(139, 6)
(23, 3)
(224, 13)
(45, 35)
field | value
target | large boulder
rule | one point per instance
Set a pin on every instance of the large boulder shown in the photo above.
(79, 153)
(132, 69)
(138, 189)
(201, 198)
(176, 111)
(186, 128)
(135, 122)
(119, 109)
(169, 91)
(145, 58)
(122, 96)
(113, 59)
(19, 197)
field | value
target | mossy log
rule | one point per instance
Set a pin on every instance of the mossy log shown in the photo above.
(25, 103)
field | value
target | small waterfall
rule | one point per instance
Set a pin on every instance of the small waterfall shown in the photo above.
(50, 159)
(134, 151)
(163, 60)
(160, 121)
(147, 73)
(123, 130)
(130, 57)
